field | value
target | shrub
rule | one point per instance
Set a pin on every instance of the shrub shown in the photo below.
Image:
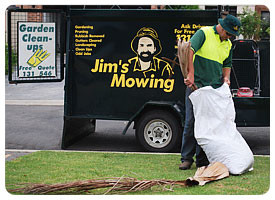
(252, 25)
(13, 58)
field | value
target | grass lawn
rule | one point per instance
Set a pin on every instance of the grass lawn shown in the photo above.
(61, 167)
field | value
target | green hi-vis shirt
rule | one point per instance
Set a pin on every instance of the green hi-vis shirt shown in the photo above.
(211, 55)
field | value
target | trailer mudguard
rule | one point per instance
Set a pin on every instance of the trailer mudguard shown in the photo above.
(176, 108)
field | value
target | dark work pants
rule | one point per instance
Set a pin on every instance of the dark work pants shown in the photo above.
(189, 143)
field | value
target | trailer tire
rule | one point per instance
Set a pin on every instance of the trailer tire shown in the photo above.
(158, 131)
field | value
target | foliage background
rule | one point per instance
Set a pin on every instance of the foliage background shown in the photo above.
(253, 27)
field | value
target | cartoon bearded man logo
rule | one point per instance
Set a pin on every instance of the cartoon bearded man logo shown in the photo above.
(147, 46)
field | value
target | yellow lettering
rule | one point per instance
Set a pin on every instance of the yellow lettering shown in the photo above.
(125, 68)
(109, 67)
(197, 26)
(101, 65)
(142, 82)
(169, 85)
(177, 31)
(188, 31)
(185, 26)
(161, 81)
(118, 81)
(152, 81)
(130, 82)
(96, 66)
(121, 81)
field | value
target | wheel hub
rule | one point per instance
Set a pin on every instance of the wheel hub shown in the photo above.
(158, 133)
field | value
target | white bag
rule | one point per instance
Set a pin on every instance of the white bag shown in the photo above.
(215, 129)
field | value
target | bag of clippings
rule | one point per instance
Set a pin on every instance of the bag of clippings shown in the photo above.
(215, 129)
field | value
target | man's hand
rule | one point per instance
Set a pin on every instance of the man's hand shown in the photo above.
(189, 80)
(226, 80)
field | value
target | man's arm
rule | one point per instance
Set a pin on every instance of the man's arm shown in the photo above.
(227, 68)
(189, 81)
(197, 41)
(226, 74)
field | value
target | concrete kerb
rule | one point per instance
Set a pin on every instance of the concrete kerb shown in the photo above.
(32, 151)
(35, 102)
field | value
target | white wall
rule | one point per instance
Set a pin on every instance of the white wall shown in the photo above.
(240, 8)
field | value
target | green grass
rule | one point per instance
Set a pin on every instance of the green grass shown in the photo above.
(61, 167)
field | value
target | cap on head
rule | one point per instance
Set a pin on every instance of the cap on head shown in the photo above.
(231, 24)
(146, 32)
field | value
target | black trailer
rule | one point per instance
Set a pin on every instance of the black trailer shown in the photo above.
(103, 77)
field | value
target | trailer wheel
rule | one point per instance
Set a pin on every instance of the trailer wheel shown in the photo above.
(158, 131)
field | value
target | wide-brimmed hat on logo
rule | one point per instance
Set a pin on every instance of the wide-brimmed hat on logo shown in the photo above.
(231, 24)
(146, 32)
